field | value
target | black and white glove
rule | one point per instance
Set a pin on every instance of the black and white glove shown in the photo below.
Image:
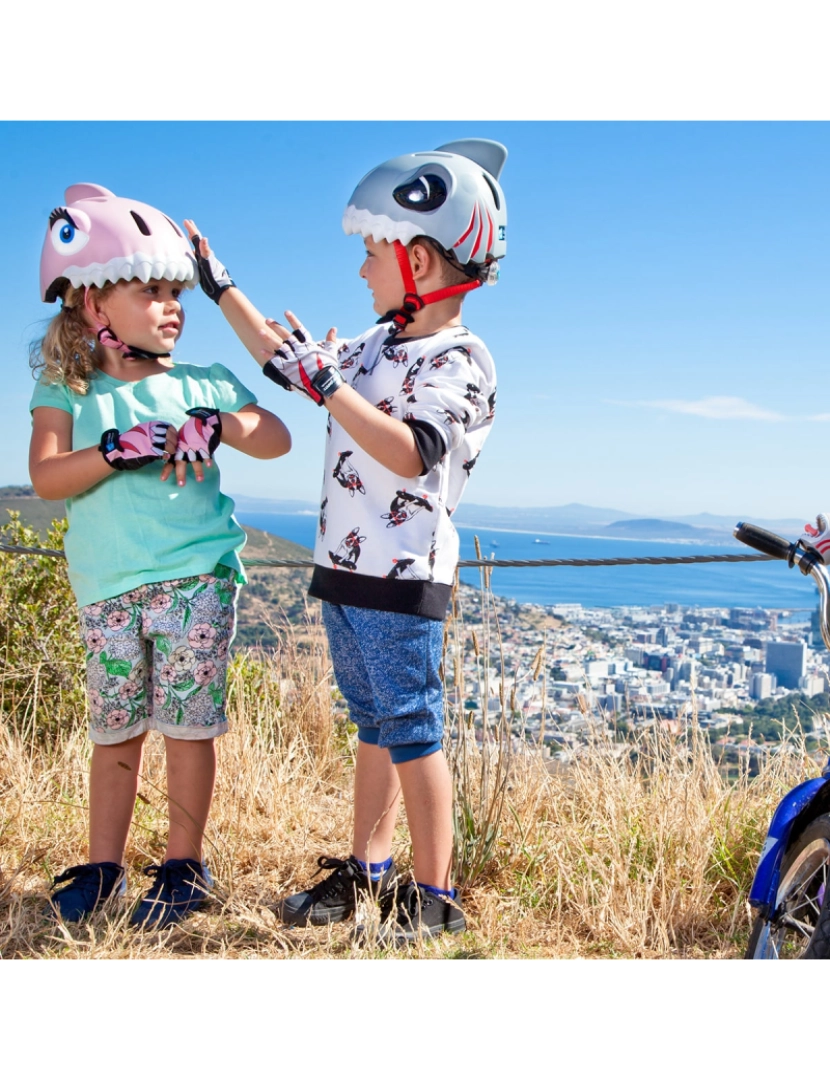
(304, 365)
(817, 537)
(213, 276)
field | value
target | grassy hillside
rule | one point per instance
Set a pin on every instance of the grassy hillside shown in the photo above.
(640, 849)
(37, 513)
(271, 596)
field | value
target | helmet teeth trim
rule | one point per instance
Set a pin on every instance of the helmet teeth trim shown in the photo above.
(379, 226)
(143, 267)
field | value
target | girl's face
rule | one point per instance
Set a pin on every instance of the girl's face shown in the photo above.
(149, 316)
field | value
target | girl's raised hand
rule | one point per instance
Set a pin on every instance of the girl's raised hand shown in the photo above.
(213, 276)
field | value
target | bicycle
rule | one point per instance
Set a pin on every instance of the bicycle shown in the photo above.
(790, 893)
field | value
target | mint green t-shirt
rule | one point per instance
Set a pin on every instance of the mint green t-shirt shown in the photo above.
(131, 529)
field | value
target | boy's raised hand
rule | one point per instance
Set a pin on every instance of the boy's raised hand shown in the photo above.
(299, 360)
(213, 276)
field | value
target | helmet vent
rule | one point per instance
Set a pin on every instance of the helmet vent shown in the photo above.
(492, 187)
(143, 227)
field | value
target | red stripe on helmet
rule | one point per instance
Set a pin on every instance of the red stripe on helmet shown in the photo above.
(468, 230)
(480, 233)
(490, 234)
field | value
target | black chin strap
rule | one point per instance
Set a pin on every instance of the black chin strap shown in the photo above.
(134, 353)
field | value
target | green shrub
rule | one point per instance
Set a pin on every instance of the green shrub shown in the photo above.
(41, 658)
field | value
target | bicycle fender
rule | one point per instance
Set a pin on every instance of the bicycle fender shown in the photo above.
(765, 882)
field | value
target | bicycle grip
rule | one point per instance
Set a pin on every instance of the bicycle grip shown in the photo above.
(761, 540)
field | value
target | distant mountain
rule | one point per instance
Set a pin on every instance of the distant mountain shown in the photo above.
(657, 529)
(572, 518)
(577, 519)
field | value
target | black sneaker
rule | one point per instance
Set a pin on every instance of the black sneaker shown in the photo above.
(181, 887)
(335, 898)
(89, 886)
(418, 915)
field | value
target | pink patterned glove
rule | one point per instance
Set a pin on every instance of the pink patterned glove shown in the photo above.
(137, 447)
(199, 436)
(817, 537)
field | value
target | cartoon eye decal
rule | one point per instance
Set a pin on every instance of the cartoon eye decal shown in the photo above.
(424, 193)
(67, 238)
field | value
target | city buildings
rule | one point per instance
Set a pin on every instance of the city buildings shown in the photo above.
(580, 670)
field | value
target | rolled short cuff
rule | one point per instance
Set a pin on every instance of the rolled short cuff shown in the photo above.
(413, 751)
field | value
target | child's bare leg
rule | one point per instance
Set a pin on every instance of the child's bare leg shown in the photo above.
(191, 773)
(377, 794)
(112, 792)
(427, 795)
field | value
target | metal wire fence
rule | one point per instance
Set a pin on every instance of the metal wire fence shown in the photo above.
(303, 564)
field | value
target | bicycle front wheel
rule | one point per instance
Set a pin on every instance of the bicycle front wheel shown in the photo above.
(799, 926)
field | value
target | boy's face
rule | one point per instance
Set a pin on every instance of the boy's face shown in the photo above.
(382, 274)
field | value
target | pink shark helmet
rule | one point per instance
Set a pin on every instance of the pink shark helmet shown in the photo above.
(450, 195)
(98, 237)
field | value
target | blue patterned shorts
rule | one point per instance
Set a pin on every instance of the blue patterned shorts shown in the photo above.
(387, 668)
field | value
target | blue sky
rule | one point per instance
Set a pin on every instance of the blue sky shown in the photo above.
(660, 328)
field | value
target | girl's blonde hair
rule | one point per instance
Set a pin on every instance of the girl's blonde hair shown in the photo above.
(66, 352)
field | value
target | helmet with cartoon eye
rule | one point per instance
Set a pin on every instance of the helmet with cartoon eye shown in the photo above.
(98, 237)
(451, 195)
(68, 236)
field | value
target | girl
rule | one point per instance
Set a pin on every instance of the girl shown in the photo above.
(153, 559)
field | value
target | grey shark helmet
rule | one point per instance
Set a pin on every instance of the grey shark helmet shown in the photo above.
(452, 196)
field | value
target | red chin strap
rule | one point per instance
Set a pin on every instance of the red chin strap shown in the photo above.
(412, 302)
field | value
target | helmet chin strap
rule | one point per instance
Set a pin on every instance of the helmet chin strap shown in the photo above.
(110, 341)
(412, 302)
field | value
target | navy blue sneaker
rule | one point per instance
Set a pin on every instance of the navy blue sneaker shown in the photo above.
(89, 887)
(181, 887)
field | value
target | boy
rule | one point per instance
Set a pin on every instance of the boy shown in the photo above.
(411, 402)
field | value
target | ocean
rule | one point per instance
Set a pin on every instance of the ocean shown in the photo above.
(767, 584)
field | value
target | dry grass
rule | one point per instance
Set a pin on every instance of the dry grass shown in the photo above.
(642, 850)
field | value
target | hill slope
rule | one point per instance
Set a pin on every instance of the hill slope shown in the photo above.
(271, 597)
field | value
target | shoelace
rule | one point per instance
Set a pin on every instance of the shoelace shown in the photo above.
(414, 900)
(172, 880)
(334, 885)
(83, 876)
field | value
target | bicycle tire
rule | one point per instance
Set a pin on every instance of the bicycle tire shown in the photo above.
(799, 926)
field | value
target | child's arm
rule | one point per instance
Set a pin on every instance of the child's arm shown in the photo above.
(248, 323)
(256, 432)
(59, 472)
(389, 441)
(251, 430)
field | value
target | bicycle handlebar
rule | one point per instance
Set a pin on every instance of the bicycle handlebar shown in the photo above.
(756, 537)
(807, 561)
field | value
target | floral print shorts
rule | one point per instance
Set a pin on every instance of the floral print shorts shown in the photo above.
(157, 659)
